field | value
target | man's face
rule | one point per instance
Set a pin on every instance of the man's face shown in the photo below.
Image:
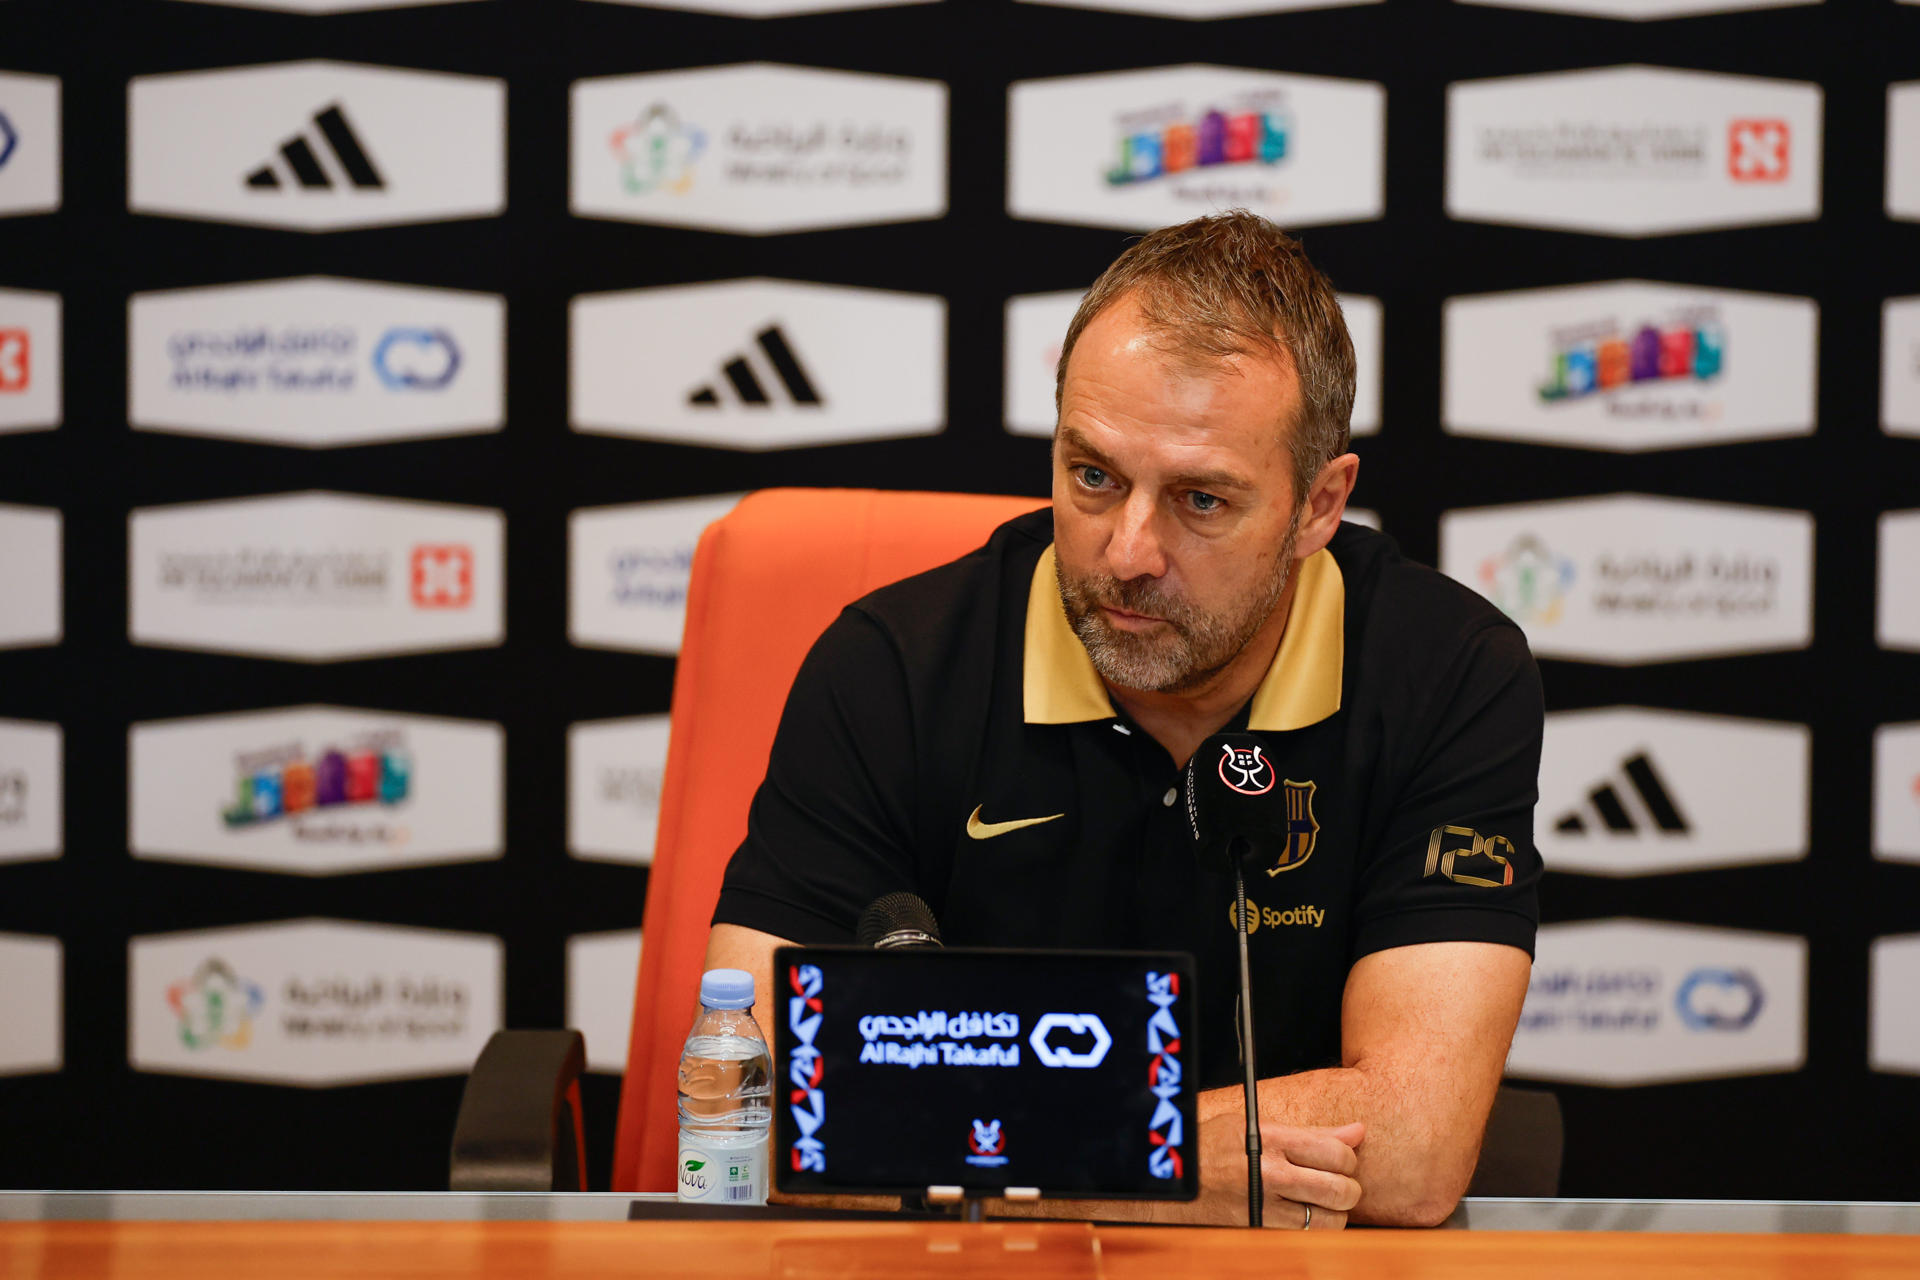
(1174, 516)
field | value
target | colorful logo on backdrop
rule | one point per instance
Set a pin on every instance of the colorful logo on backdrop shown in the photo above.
(805, 1067)
(987, 1143)
(442, 576)
(16, 364)
(1719, 999)
(216, 1006)
(282, 782)
(1758, 150)
(1589, 359)
(1170, 140)
(1165, 1136)
(1528, 581)
(410, 359)
(657, 151)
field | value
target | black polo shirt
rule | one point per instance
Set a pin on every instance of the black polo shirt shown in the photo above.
(948, 735)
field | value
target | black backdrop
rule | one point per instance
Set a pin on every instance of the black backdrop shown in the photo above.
(1830, 1130)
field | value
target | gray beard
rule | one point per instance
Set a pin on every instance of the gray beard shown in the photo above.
(1192, 649)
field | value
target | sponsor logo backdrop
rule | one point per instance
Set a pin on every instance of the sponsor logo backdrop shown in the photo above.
(358, 423)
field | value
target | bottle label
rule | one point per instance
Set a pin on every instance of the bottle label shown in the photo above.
(722, 1175)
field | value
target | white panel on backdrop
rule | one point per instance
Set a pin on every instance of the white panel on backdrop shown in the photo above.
(1633, 151)
(1899, 580)
(628, 568)
(312, 1002)
(29, 143)
(31, 824)
(1900, 367)
(1630, 791)
(1896, 792)
(29, 360)
(29, 576)
(1623, 1002)
(601, 968)
(1894, 1044)
(767, 8)
(1903, 151)
(614, 772)
(1640, 10)
(1629, 366)
(316, 576)
(1200, 8)
(1629, 579)
(1362, 516)
(30, 1004)
(316, 361)
(759, 364)
(323, 6)
(1142, 149)
(317, 145)
(759, 147)
(315, 790)
(1036, 325)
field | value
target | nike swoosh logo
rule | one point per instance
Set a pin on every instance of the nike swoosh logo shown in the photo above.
(988, 830)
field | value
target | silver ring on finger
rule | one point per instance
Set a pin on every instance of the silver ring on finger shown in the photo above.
(1308, 1221)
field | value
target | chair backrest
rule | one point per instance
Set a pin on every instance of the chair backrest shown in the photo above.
(767, 579)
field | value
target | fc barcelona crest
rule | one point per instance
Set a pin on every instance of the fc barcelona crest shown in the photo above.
(1302, 827)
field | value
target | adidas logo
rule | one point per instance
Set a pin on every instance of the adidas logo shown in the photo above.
(748, 386)
(1607, 802)
(301, 156)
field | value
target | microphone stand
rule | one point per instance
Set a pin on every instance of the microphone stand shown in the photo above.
(1255, 1194)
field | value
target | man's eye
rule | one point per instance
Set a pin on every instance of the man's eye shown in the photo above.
(1205, 501)
(1093, 477)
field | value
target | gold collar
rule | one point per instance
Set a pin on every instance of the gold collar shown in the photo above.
(1302, 687)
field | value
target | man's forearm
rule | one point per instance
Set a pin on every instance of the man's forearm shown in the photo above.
(1419, 1151)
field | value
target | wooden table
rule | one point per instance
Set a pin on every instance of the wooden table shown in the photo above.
(386, 1250)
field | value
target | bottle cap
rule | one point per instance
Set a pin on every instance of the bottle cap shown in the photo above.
(726, 989)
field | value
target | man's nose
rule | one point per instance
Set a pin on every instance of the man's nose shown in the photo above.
(1135, 548)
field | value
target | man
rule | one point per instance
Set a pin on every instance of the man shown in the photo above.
(1004, 736)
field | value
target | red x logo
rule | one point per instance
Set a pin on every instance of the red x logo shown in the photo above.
(442, 577)
(1757, 150)
(15, 370)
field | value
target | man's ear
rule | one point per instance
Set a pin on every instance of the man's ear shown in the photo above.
(1326, 504)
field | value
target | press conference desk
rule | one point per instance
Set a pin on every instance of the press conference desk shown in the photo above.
(177, 1236)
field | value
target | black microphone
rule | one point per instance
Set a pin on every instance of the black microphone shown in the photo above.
(1232, 814)
(897, 920)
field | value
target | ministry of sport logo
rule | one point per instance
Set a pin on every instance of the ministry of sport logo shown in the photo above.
(1628, 578)
(1624, 1002)
(317, 145)
(759, 148)
(312, 1002)
(29, 576)
(615, 770)
(29, 144)
(30, 397)
(1166, 144)
(628, 569)
(1629, 365)
(315, 790)
(316, 576)
(1633, 150)
(316, 362)
(759, 364)
(30, 791)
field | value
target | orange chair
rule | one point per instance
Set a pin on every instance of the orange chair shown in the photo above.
(767, 579)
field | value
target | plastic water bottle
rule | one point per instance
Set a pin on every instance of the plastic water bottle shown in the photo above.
(725, 1096)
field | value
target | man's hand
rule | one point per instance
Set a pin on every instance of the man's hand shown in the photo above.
(1300, 1166)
